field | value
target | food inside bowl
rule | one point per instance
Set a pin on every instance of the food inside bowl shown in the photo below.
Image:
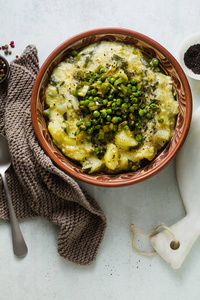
(110, 107)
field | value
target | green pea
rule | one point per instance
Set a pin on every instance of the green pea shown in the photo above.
(94, 121)
(99, 82)
(141, 112)
(160, 120)
(96, 150)
(138, 125)
(91, 104)
(112, 80)
(129, 86)
(93, 92)
(105, 101)
(118, 113)
(126, 127)
(138, 138)
(110, 97)
(118, 102)
(155, 62)
(113, 104)
(91, 81)
(124, 105)
(115, 119)
(133, 81)
(103, 78)
(96, 99)
(97, 127)
(135, 94)
(79, 123)
(126, 99)
(96, 113)
(74, 53)
(81, 103)
(103, 113)
(102, 70)
(153, 105)
(115, 127)
(90, 98)
(96, 76)
(90, 130)
(88, 124)
(148, 116)
(135, 100)
(123, 116)
(134, 89)
(109, 111)
(145, 111)
(46, 114)
(131, 109)
(119, 119)
(86, 102)
(108, 118)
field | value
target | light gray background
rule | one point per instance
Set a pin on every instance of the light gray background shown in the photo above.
(118, 273)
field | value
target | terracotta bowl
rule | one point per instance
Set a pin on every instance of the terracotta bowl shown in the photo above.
(151, 48)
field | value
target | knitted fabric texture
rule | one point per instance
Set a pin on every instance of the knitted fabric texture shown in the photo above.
(37, 186)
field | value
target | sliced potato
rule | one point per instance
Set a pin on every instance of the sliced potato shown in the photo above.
(161, 137)
(75, 152)
(93, 164)
(111, 157)
(125, 139)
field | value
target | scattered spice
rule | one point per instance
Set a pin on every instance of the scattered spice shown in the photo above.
(192, 58)
(6, 50)
(3, 69)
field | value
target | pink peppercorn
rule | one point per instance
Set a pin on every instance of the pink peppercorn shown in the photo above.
(12, 46)
(12, 42)
(17, 56)
(3, 47)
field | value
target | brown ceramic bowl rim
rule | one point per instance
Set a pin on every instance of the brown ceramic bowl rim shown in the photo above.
(151, 42)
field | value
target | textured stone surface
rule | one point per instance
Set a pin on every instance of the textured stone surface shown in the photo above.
(118, 273)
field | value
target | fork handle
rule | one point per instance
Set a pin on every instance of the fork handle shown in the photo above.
(19, 246)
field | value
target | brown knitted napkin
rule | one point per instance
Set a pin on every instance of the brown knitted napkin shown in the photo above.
(37, 186)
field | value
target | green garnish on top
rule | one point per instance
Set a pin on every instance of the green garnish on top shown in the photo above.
(108, 101)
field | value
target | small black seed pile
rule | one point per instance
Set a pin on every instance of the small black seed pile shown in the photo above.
(192, 58)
